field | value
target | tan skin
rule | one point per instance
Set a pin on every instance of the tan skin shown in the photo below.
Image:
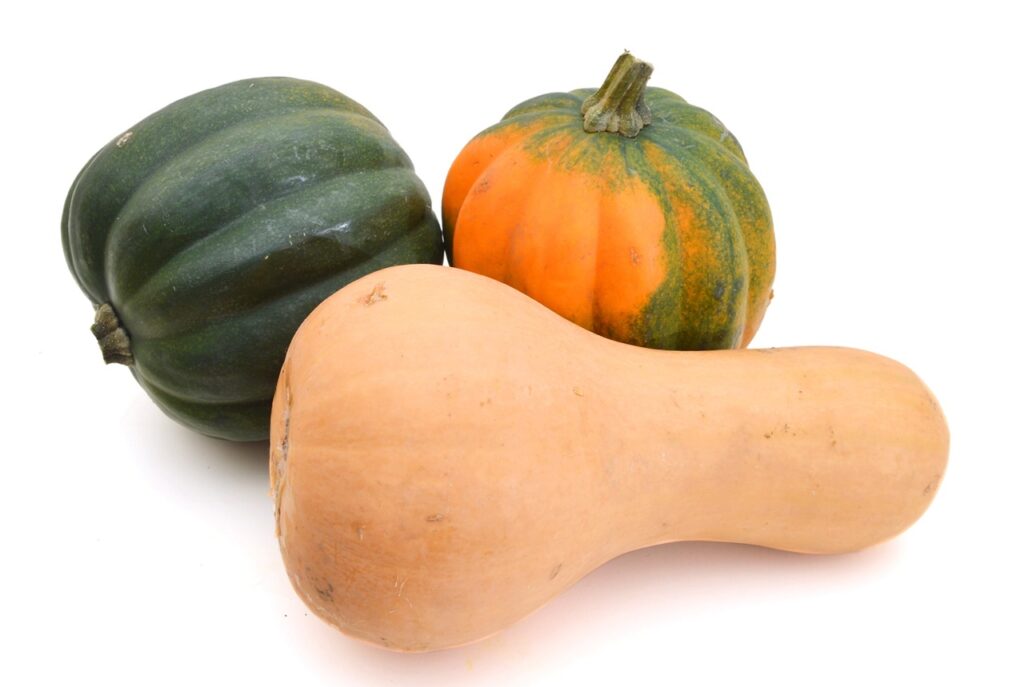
(448, 455)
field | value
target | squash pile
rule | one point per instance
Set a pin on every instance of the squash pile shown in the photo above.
(451, 447)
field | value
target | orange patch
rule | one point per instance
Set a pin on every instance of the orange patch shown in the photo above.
(631, 263)
(478, 154)
(553, 246)
(589, 250)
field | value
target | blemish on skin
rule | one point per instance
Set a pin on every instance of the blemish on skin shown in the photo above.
(286, 421)
(280, 458)
(578, 391)
(634, 257)
(375, 296)
(326, 593)
(554, 571)
(125, 138)
(436, 517)
(360, 532)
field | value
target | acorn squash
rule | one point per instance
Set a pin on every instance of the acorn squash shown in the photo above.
(207, 232)
(624, 209)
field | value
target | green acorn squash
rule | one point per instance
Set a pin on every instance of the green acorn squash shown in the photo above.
(207, 232)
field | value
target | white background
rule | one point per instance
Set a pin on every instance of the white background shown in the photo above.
(888, 138)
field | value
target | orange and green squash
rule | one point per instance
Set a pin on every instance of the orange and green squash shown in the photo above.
(626, 210)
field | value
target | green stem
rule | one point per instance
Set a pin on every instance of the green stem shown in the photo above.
(114, 341)
(618, 106)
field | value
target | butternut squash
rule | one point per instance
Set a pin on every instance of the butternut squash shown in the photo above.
(447, 455)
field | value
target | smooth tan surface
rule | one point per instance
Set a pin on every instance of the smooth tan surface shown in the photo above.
(447, 455)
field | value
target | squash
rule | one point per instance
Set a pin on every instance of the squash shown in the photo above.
(207, 232)
(627, 210)
(447, 455)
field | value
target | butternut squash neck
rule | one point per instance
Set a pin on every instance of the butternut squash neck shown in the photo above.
(818, 462)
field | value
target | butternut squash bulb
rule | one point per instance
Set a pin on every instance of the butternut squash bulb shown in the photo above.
(447, 454)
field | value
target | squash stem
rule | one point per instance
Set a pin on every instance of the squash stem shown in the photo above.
(112, 337)
(619, 106)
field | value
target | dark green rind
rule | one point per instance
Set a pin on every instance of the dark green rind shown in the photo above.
(223, 220)
(113, 174)
(275, 248)
(231, 421)
(710, 175)
(219, 363)
(237, 171)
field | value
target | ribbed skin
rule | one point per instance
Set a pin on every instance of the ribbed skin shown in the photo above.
(214, 226)
(664, 240)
